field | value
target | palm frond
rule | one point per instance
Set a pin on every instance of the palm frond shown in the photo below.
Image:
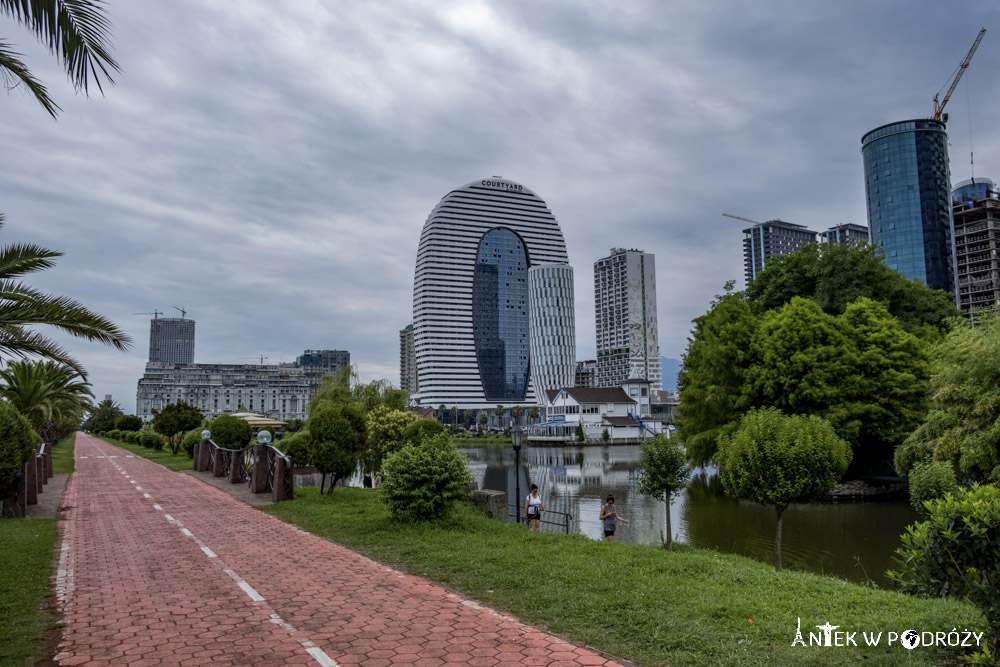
(19, 259)
(76, 30)
(21, 305)
(20, 342)
(15, 73)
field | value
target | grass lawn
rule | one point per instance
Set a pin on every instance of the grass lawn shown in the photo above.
(26, 550)
(488, 441)
(689, 606)
(164, 457)
(62, 455)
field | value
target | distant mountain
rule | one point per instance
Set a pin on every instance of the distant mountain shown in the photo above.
(669, 368)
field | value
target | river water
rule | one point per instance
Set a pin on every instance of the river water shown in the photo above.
(853, 541)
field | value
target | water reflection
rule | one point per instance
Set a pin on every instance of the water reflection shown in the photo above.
(853, 541)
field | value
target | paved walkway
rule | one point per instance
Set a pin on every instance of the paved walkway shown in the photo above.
(159, 568)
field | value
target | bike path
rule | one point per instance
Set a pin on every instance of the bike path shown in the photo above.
(157, 568)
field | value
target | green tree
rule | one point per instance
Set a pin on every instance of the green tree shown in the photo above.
(963, 427)
(346, 387)
(17, 443)
(498, 411)
(385, 434)
(103, 417)
(534, 413)
(663, 472)
(517, 412)
(178, 417)
(954, 553)
(294, 425)
(580, 437)
(230, 432)
(128, 423)
(442, 412)
(76, 31)
(338, 437)
(711, 378)
(836, 275)
(773, 459)
(422, 482)
(421, 429)
(52, 396)
(483, 420)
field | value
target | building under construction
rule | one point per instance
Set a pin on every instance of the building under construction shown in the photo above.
(977, 244)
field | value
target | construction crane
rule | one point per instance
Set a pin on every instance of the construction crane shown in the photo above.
(183, 312)
(939, 108)
(740, 217)
(259, 356)
(155, 313)
(154, 342)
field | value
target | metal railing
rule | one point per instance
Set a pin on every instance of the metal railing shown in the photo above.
(564, 519)
(246, 465)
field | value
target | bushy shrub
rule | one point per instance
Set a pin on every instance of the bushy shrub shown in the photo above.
(423, 481)
(930, 481)
(298, 446)
(114, 434)
(17, 443)
(131, 437)
(128, 423)
(338, 437)
(954, 552)
(231, 432)
(151, 439)
(191, 438)
(420, 430)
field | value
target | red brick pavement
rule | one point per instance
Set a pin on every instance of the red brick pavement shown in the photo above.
(158, 568)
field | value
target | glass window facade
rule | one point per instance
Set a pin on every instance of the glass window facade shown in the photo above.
(500, 315)
(907, 180)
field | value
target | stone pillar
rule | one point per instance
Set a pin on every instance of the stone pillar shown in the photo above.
(259, 484)
(29, 474)
(280, 470)
(195, 455)
(48, 463)
(236, 468)
(217, 468)
(494, 503)
(40, 479)
(203, 456)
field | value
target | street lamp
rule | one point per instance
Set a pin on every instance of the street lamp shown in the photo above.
(515, 435)
(264, 437)
(206, 435)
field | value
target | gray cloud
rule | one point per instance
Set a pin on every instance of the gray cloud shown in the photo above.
(269, 167)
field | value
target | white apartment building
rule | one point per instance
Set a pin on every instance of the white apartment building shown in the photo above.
(625, 312)
(624, 412)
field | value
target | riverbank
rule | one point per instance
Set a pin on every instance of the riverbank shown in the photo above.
(689, 606)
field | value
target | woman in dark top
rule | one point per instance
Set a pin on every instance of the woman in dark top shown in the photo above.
(608, 516)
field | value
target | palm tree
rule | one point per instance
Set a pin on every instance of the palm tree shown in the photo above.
(52, 396)
(516, 412)
(22, 307)
(103, 417)
(77, 31)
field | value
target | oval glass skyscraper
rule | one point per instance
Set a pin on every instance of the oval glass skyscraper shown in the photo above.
(500, 315)
(908, 184)
(457, 332)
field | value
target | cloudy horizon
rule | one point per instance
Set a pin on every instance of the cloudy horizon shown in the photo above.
(269, 168)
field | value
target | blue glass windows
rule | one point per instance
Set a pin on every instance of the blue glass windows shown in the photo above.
(500, 314)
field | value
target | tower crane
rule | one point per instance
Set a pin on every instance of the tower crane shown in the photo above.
(939, 107)
(259, 356)
(154, 343)
(183, 312)
(740, 217)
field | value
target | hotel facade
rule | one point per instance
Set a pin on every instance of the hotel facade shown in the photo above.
(472, 299)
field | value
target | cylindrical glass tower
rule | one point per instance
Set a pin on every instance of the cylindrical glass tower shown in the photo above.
(908, 183)
(553, 328)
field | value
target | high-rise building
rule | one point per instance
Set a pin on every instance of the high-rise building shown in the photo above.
(977, 244)
(907, 181)
(771, 239)
(586, 373)
(407, 361)
(171, 340)
(316, 364)
(471, 298)
(625, 309)
(552, 327)
(846, 233)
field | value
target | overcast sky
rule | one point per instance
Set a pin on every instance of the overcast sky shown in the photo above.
(268, 166)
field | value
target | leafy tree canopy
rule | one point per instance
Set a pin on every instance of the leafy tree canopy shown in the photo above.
(963, 427)
(128, 423)
(230, 432)
(178, 417)
(52, 396)
(663, 472)
(385, 433)
(104, 416)
(836, 275)
(17, 441)
(338, 436)
(346, 388)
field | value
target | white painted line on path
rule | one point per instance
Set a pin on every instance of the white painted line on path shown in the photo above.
(146, 495)
(157, 507)
(248, 589)
(211, 554)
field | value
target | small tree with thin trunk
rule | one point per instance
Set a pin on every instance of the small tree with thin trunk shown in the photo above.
(774, 459)
(663, 472)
